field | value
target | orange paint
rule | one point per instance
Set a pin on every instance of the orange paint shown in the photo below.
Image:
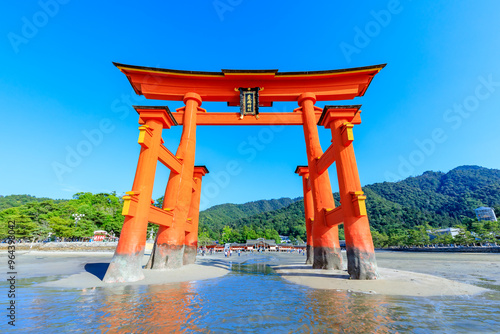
(308, 210)
(323, 235)
(267, 118)
(178, 191)
(133, 234)
(308, 202)
(356, 226)
(191, 236)
(165, 84)
(132, 240)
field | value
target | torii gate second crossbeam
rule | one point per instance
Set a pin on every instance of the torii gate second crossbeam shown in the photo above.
(176, 241)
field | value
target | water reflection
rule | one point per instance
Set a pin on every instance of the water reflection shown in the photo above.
(155, 308)
(250, 299)
(341, 311)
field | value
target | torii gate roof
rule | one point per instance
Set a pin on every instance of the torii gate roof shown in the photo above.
(172, 85)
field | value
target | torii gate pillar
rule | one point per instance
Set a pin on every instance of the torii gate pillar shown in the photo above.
(126, 264)
(361, 263)
(168, 252)
(309, 211)
(191, 238)
(327, 254)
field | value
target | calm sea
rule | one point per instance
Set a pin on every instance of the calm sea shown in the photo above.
(250, 299)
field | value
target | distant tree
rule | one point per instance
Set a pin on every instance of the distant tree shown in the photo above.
(397, 237)
(62, 228)
(42, 232)
(486, 231)
(464, 237)
(341, 232)
(159, 202)
(419, 235)
(227, 234)
(84, 228)
(272, 234)
(497, 211)
(204, 239)
(380, 240)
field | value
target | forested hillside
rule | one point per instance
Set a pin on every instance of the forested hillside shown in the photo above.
(434, 198)
(399, 213)
(221, 215)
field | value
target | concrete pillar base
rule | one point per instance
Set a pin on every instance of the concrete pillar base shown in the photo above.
(166, 256)
(309, 254)
(327, 258)
(361, 264)
(189, 254)
(125, 268)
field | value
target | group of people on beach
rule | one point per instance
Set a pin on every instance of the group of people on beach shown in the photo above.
(228, 252)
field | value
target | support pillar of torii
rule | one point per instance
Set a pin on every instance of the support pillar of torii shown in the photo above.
(309, 211)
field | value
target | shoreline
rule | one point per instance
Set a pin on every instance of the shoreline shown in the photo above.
(97, 246)
(471, 249)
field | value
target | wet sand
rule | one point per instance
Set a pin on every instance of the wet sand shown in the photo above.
(84, 270)
(391, 282)
(411, 274)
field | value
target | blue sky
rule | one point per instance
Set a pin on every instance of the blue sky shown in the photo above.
(434, 107)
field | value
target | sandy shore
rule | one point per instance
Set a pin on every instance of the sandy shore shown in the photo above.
(407, 274)
(90, 269)
(391, 282)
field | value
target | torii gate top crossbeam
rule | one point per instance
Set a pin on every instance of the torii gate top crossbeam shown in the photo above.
(172, 85)
(350, 113)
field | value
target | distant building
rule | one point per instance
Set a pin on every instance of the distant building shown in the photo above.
(450, 230)
(261, 243)
(284, 239)
(485, 213)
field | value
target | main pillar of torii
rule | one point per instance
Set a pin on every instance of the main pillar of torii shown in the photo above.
(126, 265)
(361, 263)
(325, 238)
(168, 251)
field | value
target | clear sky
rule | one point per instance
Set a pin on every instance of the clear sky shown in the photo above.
(434, 107)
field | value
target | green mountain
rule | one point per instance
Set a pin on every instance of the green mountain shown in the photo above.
(434, 198)
(221, 215)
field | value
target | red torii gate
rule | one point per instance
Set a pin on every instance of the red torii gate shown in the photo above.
(178, 219)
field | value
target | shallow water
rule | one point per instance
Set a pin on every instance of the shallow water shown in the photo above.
(250, 299)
